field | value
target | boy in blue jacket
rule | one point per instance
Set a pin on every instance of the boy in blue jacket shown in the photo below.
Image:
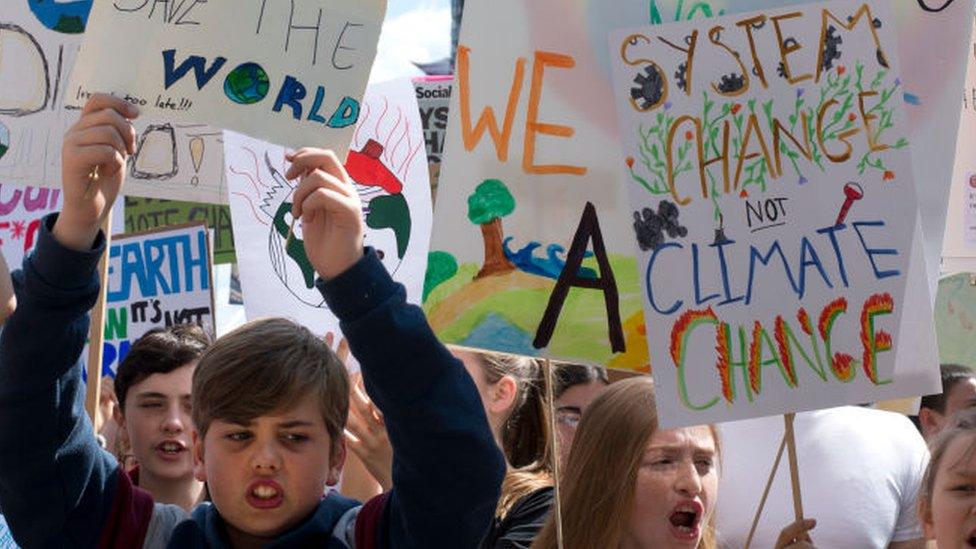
(269, 399)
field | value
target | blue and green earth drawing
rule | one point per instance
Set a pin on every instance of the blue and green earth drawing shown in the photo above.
(4, 140)
(247, 84)
(65, 16)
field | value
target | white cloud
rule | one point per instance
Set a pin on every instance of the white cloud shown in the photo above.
(421, 35)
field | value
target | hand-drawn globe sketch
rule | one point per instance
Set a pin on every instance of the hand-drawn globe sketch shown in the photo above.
(247, 84)
(64, 16)
(385, 209)
(4, 140)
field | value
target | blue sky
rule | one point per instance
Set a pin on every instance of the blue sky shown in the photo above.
(414, 30)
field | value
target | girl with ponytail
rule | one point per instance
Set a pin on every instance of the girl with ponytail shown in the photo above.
(513, 392)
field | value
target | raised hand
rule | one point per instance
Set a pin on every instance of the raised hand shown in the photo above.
(330, 211)
(366, 434)
(797, 535)
(99, 143)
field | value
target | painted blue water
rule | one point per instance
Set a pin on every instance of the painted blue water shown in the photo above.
(550, 266)
(496, 332)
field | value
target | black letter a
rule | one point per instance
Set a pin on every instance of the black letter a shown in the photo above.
(589, 227)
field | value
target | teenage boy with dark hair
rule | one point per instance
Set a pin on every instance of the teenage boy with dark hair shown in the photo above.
(264, 468)
(153, 388)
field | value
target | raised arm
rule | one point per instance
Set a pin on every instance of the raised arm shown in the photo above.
(447, 469)
(56, 484)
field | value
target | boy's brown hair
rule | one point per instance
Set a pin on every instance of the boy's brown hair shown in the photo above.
(159, 351)
(265, 366)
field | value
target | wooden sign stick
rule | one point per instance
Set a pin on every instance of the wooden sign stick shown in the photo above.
(794, 469)
(769, 484)
(550, 389)
(96, 332)
(788, 442)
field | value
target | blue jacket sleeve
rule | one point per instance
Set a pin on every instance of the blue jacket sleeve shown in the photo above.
(447, 468)
(56, 483)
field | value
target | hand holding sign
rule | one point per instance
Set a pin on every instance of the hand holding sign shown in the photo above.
(333, 225)
(102, 139)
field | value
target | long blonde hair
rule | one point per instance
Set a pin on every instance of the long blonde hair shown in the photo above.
(598, 486)
(525, 433)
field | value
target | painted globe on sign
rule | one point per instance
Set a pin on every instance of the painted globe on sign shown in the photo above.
(247, 84)
(4, 140)
(64, 16)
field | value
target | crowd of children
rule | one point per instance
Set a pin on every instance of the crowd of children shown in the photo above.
(239, 442)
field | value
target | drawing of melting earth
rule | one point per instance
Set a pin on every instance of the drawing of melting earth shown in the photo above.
(4, 140)
(64, 16)
(385, 209)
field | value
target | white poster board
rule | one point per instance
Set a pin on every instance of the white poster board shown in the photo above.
(39, 43)
(959, 249)
(289, 72)
(773, 203)
(387, 162)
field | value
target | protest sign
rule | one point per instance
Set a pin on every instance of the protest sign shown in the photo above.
(288, 72)
(21, 210)
(959, 249)
(773, 205)
(142, 214)
(434, 99)
(156, 279)
(6, 537)
(39, 42)
(955, 319)
(386, 162)
(533, 111)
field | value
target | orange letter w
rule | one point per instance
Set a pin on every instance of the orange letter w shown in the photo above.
(487, 119)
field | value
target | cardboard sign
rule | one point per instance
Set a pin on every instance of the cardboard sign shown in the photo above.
(289, 72)
(39, 43)
(387, 163)
(156, 279)
(142, 214)
(773, 206)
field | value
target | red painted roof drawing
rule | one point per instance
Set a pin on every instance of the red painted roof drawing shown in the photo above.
(366, 168)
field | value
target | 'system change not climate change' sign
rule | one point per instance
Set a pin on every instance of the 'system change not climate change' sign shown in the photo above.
(773, 206)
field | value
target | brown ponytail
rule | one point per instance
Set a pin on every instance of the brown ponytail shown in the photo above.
(525, 434)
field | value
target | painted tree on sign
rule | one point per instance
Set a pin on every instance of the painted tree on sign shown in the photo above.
(489, 203)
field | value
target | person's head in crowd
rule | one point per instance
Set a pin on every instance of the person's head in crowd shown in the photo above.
(106, 413)
(575, 387)
(152, 386)
(270, 401)
(628, 483)
(947, 502)
(512, 390)
(958, 392)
